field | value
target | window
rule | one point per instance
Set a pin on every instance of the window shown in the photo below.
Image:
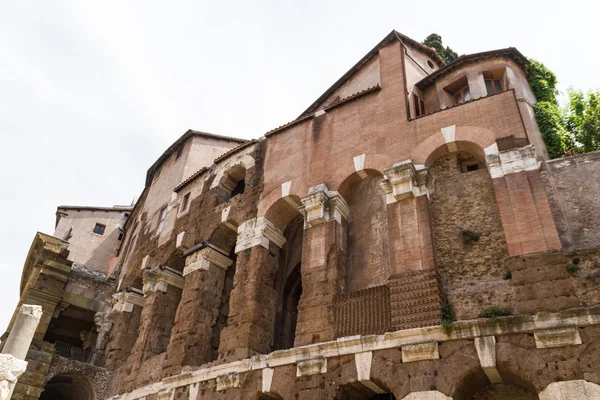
(120, 236)
(185, 202)
(126, 216)
(419, 106)
(430, 64)
(99, 229)
(161, 219)
(493, 86)
(462, 95)
(179, 152)
(239, 188)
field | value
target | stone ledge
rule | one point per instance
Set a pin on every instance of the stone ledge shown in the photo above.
(357, 344)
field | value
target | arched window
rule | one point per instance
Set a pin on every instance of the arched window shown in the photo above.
(233, 182)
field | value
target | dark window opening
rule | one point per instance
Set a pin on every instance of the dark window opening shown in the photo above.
(430, 63)
(99, 229)
(463, 95)
(473, 167)
(120, 236)
(493, 86)
(185, 202)
(239, 188)
(285, 329)
(419, 106)
(126, 216)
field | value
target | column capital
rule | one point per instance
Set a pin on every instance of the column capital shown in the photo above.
(321, 205)
(158, 279)
(405, 181)
(258, 231)
(203, 258)
(124, 301)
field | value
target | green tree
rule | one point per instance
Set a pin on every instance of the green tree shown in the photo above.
(583, 120)
(434, 40)
(549, 115)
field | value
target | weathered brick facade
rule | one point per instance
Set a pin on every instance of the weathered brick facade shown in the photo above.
(355, 252)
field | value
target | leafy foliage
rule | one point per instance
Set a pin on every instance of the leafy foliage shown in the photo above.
(572, 268)
(447, 317)
(434, 40)
(583, 120)
(494, 312)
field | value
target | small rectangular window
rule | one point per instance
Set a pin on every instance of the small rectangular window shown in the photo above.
(419, 106)
(161, 219)
(126, 216)
(120, 236)
(185, 202)
(99, 229)
(493, 86)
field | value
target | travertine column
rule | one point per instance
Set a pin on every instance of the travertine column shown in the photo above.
(127, 311)
(250, 325)
(14, 351)
(409, 226)
(162, 292)
(192, 335)
(414, 285)
(524, 209)
(323, 259)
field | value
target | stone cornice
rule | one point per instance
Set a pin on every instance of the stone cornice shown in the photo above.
(321, 205)
(258, 232)
(158, 279)
(203, 258)
(300, 356)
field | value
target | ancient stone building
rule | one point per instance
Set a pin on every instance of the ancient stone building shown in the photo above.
(406, 237)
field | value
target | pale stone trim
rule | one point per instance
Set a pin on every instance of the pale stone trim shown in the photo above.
(363, 368)
(420, 351)
(159, 280)
(359, 165)
(486, 351)
(285, 188)
(258, 232)
(313, 366)
(319, 113)
(145, 262)
(511, 161)
(267, 380)
(358, 344)
(571, 390)
(404, 181)
(560, 337)
(125, 301)
(427, 395)
(229, 380)
(449, 134)
(321, 205)
(180, 242)
(203, 258)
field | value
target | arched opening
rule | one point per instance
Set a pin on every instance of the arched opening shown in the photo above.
(73, 333)
(176, 262)
(288, 284)
(358, 391)
(223, 239)
(504, 392)
(69, 386)
(234, 182)
(367, 257)
(467, 230)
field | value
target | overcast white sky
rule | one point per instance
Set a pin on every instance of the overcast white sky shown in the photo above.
(91, 93)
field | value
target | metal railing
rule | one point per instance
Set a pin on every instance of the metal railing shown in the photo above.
(74, 353)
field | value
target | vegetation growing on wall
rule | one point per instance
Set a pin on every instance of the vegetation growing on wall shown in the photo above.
(568, 129)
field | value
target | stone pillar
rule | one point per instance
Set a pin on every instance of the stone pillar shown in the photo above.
(250, 325)
(192, 335)
(14, 351)
(162, 292)
(415, 296)
(524, 209)
(126, 314)
(323, 260)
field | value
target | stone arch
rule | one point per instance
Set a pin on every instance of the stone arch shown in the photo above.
(232, 170)
(471, 139)
(367, 254)
(283, 211)
(69, 386)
